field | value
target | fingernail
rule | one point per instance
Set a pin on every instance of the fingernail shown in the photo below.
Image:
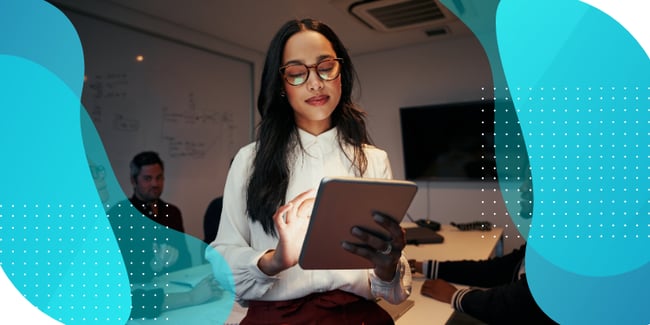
(356, 231)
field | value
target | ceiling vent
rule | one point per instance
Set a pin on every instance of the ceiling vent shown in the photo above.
(399, 15)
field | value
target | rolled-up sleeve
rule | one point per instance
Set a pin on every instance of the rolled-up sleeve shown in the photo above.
(397, 290)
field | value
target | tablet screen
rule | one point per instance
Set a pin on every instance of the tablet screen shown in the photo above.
(342, 203)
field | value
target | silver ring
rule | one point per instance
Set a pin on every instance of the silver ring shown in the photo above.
(388, 249)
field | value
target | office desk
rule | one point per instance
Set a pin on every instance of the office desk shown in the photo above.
(473, 245)
(207, 313)
(457, 245)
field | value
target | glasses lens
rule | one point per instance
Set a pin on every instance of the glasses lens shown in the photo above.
(295, 74)
(328, 69)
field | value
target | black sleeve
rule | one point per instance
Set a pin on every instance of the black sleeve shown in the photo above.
(508, 304)
(483, 273)
(147, 303)
(135, 235)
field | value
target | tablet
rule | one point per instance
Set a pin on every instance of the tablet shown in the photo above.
(342, 203)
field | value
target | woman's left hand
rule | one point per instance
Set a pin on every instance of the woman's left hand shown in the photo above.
(384, 253)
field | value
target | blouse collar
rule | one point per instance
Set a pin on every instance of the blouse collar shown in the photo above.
(325, 142)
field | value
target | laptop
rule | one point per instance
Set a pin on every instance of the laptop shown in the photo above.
(422, 235)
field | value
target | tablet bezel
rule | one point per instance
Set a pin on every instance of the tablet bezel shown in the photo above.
(344, 202)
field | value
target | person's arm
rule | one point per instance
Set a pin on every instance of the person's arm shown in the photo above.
(480, 273)
(150, 303)
(508, 304)
(206, 290)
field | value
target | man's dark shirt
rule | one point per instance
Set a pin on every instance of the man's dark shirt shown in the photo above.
(168, 214)
(135, 232)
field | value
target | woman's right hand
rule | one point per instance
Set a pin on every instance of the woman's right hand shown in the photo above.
(291, 221)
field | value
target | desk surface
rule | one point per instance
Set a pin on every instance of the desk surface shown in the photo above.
(457, 245)
(472, 245)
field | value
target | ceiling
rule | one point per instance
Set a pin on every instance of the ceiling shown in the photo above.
(252, 23)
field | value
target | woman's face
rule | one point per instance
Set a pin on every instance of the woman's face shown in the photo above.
(313, 101)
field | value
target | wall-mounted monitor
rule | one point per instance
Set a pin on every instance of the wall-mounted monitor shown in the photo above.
(449, 142)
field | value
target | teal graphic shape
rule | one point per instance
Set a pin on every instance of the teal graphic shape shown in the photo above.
(57, 248)
(580, 86)
(56, 244)
(37, 31)
(546, 44)
(510, 149)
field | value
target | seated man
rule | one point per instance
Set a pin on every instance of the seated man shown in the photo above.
(149, 233)
(148, 180)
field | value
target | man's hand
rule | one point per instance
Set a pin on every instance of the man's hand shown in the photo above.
(164, 256)
(438, 289)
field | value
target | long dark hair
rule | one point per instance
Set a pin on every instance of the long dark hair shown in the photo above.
(277, 130)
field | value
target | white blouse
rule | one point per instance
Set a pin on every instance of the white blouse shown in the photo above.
(242, 242)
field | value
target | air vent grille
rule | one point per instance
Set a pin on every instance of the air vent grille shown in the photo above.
(398, 15)
(407, 13)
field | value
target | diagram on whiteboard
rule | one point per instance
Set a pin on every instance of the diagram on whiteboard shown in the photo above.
(193, 131)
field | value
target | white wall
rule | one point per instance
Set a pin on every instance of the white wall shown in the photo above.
(446, 71)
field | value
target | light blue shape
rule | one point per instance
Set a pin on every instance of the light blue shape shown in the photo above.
(584, 105)
(581, 86)
(57, 246)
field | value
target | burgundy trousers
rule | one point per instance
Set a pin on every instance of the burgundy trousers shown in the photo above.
(333, 307)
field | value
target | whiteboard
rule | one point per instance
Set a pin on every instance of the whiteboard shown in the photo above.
(191, 105)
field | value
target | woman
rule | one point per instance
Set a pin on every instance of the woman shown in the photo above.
(309, 129)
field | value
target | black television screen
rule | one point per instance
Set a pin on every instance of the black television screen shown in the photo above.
(449, 142)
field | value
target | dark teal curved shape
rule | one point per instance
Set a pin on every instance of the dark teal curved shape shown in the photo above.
(139, 232)
(510, 147)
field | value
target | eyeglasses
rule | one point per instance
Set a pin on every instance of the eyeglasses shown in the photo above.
(297, 74)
